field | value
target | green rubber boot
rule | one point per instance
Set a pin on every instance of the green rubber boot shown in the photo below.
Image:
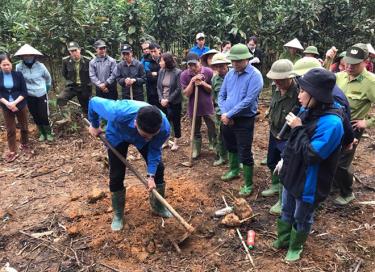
(275, 186)
(49, 135)
(248, 177)
(156, 206)
(276, 209)
(197, 145)
(297, 240)
(118, 205)
(42, 136)
(283, 234)
(234, 167)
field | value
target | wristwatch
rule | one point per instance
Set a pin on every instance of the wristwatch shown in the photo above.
(150, 176)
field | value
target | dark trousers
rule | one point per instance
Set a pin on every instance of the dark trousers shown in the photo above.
(83, 94)
(137, 94)
(38, 107)
(111, 94)
(117, 168)
(275, 148)
(210, 123)
(238, 138)
(173, 112)
(152, 95)
(10, 124)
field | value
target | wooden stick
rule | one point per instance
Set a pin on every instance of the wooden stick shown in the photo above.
(189, 227)
(109, 267)
(192, 130)
(74, 103)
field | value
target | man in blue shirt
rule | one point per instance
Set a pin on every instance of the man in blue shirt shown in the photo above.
(238, 102)
(199, 48)
(139, 124)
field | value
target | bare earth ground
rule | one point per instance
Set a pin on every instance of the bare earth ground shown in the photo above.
(48, 191)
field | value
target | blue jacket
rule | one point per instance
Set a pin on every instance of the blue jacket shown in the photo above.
(199, 51)
(311, 154)
(37, 78)
(238, 96)
(121, 116)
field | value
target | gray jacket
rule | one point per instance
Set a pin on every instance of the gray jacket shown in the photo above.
(101, 69)
(175, 96)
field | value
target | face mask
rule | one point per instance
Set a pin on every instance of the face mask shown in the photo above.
(29, 60)
(251, 47)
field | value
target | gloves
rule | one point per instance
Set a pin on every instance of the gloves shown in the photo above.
(255, 60)
(278, 167)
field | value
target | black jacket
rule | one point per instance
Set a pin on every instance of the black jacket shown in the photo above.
(260, 55)
(19, 89)
(175, 89)
(69, 71)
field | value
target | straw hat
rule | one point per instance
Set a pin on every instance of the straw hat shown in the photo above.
(27, 50)
(294, 44)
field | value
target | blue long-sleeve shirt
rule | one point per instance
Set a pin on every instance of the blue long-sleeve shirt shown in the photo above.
(121, 116)
(37, 78)
(239, 93)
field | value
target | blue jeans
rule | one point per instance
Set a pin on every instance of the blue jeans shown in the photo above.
(296, 212)
(275, 148)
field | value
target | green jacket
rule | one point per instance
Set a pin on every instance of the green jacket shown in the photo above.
(216, 81)
(280, 106)
(70, 73)
(361, 94)
(287, 55)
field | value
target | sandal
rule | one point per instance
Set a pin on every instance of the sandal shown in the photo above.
(11, 156)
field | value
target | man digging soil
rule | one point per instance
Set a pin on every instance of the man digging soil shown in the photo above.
(145, 127)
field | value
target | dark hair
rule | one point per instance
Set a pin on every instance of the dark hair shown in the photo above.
(253, 38)
(153, 46)
(149, 119)
(224, 43)
(4, 57)
(168, 58)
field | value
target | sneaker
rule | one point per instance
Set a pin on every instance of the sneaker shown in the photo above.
(341, 200)
(174, 146)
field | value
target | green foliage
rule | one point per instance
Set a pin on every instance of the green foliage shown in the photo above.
(50, 24)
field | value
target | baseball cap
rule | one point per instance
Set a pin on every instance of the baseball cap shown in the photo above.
(73, 46)
(100, 43)
(356, 53)
(126, 48)
(200, 35)
(192, 58)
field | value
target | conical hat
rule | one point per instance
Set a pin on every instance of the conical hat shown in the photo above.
(294, 44)
(27, 50)
(370, 48)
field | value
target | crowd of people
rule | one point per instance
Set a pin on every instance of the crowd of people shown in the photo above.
(318, 112)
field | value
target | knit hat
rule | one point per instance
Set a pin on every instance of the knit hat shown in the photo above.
(319, 84)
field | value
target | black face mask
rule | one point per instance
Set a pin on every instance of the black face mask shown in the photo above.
(29, 62)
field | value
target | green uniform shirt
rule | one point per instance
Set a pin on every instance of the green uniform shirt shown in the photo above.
(360, 92)
(77, 64)
(287, 55)
(280, 106)
(216, 81)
